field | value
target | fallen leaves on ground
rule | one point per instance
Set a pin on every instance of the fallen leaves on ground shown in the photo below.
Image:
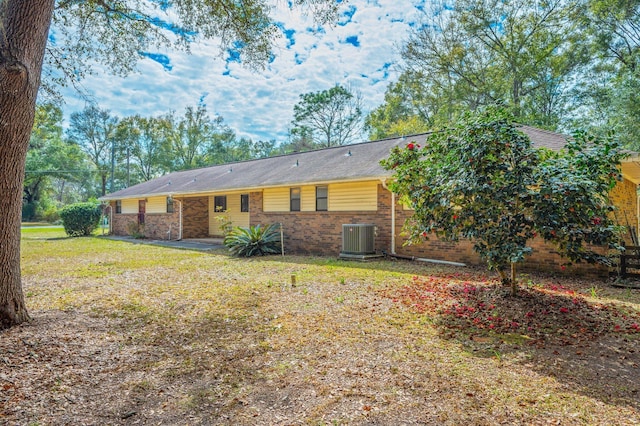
(545, 313)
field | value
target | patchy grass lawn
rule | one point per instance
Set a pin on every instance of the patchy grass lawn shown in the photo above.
(139, 334)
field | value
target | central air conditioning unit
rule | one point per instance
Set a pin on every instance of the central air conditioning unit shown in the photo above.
(358, 238)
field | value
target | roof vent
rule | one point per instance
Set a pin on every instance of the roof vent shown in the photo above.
(348, 154)
(230, 169)
(297, 164)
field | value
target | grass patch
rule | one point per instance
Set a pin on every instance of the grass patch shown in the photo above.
(159, 335)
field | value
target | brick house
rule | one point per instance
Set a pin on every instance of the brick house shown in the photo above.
(312, 194)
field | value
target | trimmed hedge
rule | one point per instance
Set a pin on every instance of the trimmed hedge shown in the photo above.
(80, 219)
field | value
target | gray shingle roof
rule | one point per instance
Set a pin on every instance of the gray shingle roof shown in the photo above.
(344, 163)
(323, 165)
(544, 138)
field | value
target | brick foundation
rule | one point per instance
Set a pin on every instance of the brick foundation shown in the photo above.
(544, 258)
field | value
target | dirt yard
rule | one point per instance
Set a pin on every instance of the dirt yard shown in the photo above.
(126, 335)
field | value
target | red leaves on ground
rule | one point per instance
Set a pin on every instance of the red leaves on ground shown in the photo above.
(542, 313)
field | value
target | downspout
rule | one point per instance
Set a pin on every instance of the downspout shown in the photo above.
(422, 259)
(180, 221)
(393, 216)
(110, 219)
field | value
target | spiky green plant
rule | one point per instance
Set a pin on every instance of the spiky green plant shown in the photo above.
(255, 240)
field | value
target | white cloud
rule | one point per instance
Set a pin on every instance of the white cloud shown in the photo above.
(260, 105)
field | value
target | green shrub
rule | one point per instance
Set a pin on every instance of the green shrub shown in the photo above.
(51, 214)
(255, 240)
(80, 218)
(224, 224)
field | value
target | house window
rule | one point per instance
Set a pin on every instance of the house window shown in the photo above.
(295, 200)
(244, 203)
(220, 203)
(322, 193)
(169, 205)
(118, 206)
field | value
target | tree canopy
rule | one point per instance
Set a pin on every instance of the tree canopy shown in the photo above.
(559, 65)
(329, 117)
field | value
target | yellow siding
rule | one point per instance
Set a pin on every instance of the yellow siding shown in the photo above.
(233, 212)
(129, 206)
(357, 196)
(156, 205)
(308, 199)
(276, 200)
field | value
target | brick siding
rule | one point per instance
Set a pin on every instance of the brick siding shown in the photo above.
(156, 225)
(195, 217)
(544, 258)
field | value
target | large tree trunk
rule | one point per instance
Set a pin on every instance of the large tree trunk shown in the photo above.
(24, 28)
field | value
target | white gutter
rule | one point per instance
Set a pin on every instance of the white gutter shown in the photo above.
(393, 216)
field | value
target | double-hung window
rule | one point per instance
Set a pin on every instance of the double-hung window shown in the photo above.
(244, 203)
(322, 196)
(295, 199)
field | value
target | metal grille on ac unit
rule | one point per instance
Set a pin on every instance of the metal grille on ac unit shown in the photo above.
(358, 238)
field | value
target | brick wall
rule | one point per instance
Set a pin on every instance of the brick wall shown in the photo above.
(544, 257)
(156, 225)
(120, 223)
(195, 217)
(321, 232)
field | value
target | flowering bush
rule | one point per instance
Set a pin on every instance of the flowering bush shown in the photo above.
(482, 180)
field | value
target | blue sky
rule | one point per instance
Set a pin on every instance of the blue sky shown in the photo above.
(360, 51)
